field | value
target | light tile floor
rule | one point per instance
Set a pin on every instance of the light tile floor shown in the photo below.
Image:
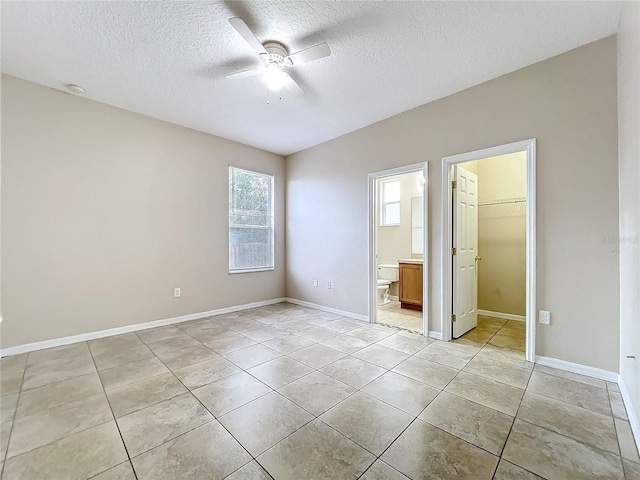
(496, 332)
(393, 315)
(286, 392)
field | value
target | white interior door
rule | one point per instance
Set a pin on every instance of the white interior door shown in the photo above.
(465, 242)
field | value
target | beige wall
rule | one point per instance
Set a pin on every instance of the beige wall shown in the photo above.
(569, 104)
(502, 234)
(105, 211)
(629, 125)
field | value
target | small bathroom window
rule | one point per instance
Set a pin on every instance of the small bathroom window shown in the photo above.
(251, 238)
(390, 211)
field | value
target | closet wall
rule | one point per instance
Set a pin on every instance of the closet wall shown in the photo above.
(502, 188)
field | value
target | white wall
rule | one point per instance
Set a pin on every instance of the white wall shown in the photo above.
(629, 237)
(569, 103)
(394, 242)
(502, 234)
(105, 211)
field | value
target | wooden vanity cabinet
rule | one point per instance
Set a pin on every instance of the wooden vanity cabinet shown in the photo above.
(410, 285)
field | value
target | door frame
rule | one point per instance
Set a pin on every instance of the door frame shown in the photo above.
(373, 238)
(528, 146)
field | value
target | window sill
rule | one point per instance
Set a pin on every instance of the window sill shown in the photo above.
(251, 270)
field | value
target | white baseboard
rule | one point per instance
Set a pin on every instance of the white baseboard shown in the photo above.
(506, 316)
(394, 298)
(83, 337)
(578, 368)
(631, 413)
(355, 316)
(435, 335)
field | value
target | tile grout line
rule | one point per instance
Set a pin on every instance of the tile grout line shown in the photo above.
(13, 418)
(104, 390)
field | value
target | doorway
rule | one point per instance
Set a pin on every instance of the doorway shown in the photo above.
(397, 242)
(489, 247)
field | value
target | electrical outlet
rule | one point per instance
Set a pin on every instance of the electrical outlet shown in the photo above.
(176, 292)
(315, 283)
(544, 317)
(329, 285)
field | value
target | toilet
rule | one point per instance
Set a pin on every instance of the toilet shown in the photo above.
(387, 274)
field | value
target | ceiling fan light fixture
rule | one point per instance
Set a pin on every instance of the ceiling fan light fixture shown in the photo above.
(275, 77)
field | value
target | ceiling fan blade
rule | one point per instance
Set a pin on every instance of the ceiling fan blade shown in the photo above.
(245, 73)
(247, 34)
(309, 54)
(291, 85)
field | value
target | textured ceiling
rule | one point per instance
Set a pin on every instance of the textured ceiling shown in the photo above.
(168, 60)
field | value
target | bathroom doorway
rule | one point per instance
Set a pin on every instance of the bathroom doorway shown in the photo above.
(398, 240)
(489, 248)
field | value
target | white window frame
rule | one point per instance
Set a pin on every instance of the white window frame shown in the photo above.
(383, 204)
(270, 226)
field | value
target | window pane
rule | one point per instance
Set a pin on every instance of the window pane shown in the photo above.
(391, 191)
(392, 213)
(250, 220)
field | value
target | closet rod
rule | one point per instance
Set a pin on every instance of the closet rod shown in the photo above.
(501, 202)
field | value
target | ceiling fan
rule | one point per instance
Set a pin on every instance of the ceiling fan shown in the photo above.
(276, 59)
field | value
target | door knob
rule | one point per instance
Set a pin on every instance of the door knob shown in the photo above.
(478, 259)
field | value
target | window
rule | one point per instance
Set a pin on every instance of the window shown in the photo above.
(250, 221)
(390, 212)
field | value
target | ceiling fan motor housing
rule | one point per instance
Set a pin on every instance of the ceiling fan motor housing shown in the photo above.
(276, 53)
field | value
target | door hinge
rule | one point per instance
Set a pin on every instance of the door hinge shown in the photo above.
(454, 184)
(454, 251)
(453, 318)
